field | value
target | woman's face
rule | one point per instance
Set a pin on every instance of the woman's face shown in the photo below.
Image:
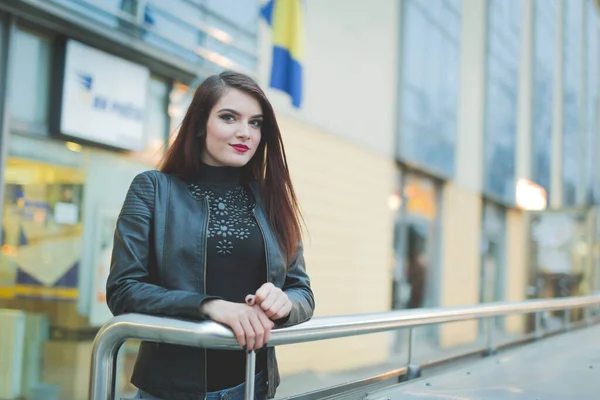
(233, 130)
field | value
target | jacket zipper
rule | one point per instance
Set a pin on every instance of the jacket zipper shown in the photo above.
(262, 232)
(204, 284)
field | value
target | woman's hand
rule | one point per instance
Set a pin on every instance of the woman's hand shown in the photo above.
(250, 324)
(272, 300)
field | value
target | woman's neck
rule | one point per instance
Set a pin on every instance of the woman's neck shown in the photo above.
(221, 175)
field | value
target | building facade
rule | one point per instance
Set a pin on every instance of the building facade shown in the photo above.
(427, 129)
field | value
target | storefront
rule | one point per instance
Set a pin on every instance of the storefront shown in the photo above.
(72, 150)
(80, 123)
(416, 246)
(563, 260)
(492, 281)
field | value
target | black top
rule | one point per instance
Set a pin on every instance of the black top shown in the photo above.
(235, 262)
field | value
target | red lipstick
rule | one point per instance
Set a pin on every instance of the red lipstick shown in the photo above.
(242, 148)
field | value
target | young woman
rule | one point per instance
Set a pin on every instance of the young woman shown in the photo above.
(214, 234)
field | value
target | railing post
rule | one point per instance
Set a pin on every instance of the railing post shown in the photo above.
(250, 375)
(491, 347)
(567, 319)
(411, 346)
(587, 316)
(538, 325)
(412, 370)
(104, 369)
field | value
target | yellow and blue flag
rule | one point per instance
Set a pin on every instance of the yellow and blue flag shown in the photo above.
(286, 18)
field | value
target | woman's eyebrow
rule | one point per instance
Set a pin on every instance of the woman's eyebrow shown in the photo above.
(229, 110)
(237, 113)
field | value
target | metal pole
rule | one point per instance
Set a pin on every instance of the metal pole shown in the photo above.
(538, 325)
(490, 337)
(103, 372)
(413, 371)
(411, 346)
(567, 319)
(250, 375)
(216, 336)
(587, 316)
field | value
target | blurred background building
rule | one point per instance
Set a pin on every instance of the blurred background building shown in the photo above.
(443, 153)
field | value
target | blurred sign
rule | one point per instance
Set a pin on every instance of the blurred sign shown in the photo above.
(66, 213)
(106, 221)
(530, 196)
(420, 197)
(104, 98)
(555, 235)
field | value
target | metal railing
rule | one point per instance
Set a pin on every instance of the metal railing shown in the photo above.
(211, 335)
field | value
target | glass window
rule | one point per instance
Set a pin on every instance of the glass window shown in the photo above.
(494, 232)
(39, 273)
(237, 20)
(242, 13)
(544, 59)
(593, 69)
(211, 29)
(156, 124)
(503, 49)
(213, 34)
(103, 11)
(416, 249)
(157, 119)
(557, 262)
(572, 70)
(59, 212)
(243, 47)
(180, 99)
(173, 27)
(430, 74)
(30, 78)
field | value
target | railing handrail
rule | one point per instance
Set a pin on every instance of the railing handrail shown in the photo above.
(212, 335)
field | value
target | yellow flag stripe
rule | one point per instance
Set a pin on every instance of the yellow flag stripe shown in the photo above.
(288, 22)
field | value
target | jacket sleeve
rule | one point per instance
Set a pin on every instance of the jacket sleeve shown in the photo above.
(297, 287)
(129, 288)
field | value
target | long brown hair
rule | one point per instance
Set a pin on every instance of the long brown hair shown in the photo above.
(268, 166)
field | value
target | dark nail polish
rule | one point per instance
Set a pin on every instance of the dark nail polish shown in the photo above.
(245, 348)
(249, 351)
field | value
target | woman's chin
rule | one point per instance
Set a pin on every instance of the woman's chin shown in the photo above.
(237, 162)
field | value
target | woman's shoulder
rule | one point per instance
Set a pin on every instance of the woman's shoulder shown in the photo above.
(157, 177)
(155, 181)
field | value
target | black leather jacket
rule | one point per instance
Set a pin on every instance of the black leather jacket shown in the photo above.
(158, 267)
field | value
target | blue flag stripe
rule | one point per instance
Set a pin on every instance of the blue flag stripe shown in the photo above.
(286, 74)
(266, 11)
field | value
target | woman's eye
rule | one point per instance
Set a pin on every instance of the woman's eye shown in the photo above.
(227, 117)
(256, 123)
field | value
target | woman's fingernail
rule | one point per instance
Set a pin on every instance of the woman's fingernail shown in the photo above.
(244, 348)
(249, 351)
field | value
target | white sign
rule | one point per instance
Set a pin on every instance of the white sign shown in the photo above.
(66, 213)
(104, 98)
(106, 221)
(555, 235)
